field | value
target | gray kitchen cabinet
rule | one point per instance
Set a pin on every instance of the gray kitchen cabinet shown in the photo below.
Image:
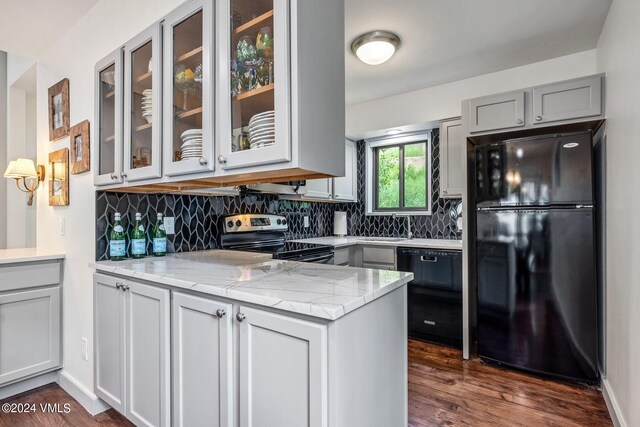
(452, 149)
(341, 256)
(148, 346)
(30, 335)
(283, 371)
(345, 188)
(109, 341)
(573, 99)
(188, 45)
(501, 111)
(132, 341)
(246, 366)
(321, 189)
(143, 105)
(107, 167)
(292, 138)
(202, 361)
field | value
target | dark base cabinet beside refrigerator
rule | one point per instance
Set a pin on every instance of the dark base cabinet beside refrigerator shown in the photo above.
(435, 294)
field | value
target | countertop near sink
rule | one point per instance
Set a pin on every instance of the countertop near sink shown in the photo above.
(11, 256)
(318, 290)
(340, 242)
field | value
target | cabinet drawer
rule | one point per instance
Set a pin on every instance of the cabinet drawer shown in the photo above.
(341, 256)
(378, 266)
(495, 112)
(567, 100)
(378, 255)
(29, 275)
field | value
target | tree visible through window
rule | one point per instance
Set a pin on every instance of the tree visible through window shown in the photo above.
(401, 177)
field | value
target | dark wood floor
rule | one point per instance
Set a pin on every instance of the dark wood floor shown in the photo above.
(444, 390)
(77, 416)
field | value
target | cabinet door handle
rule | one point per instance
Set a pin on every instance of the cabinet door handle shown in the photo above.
(125, 287)
(123, 175)
(220, 313)
(538, 118)
(222, 159)
(118, 285)
(114, 176)
(519, 121)
(202, 161)
(241, 317)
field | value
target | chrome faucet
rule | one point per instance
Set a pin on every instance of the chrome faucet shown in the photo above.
(408, 217)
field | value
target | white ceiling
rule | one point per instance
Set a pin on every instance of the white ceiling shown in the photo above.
(448, 40)
(28, 28)
(443, 40)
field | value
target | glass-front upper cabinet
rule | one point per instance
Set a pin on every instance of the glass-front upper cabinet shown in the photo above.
(188, 107)
(143, 105)
(108, 95)
(254, 92)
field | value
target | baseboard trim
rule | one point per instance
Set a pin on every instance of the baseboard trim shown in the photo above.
(28, 384)
(92, 403)
(612, 405)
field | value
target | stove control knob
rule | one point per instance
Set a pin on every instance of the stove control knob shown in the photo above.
(238, 223)
(279, 222)
(230, 224)
(284, 222)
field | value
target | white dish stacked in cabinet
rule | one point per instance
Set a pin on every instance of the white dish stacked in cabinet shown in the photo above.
(191, 144)
(147, 105)
(262, 129)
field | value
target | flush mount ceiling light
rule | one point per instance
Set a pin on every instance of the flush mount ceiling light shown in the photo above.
(375, 47)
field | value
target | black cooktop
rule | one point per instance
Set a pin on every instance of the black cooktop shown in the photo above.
(288, 250)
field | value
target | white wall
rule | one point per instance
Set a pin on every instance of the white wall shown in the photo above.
(442, 102)
(21, 143)
(3, 148)
(618, 55)
(107, 26)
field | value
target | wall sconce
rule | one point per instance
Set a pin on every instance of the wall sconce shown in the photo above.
(23, 169)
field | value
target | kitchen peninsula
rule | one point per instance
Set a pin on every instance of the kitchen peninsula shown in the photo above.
(238, 338)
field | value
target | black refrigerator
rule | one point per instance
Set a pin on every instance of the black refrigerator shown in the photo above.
(535, 252)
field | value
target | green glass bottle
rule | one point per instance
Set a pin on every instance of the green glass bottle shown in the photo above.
(159, 238)
(138, 238)
(117, 240)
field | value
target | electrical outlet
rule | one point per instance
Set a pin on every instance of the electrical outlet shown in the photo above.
(84, 348)
(169, 225)
(306, 221)
(61, 226)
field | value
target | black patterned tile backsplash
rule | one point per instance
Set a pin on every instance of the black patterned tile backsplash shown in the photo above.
(198, 219)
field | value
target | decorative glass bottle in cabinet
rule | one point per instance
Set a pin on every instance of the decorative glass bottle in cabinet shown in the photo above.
(108, 77)
(188, 114)
(255, 90)
(143, 105)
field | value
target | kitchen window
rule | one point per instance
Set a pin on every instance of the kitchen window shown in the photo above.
(399, 175)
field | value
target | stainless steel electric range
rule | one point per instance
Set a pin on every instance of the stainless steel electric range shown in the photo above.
(266, 233)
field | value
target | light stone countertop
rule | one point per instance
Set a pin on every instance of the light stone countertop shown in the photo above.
(11, 256)
(340, 242)
(318, 290)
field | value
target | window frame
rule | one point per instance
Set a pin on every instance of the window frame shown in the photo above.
(372, 145)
